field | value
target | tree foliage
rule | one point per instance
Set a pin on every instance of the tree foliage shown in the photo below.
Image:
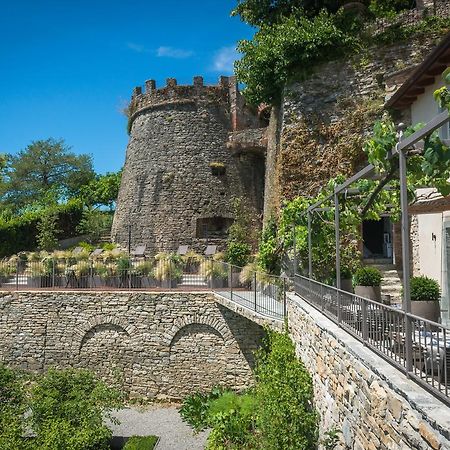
(102, 190)
(294, 36)
(12, 409)
(279, 50)
(286, 417)
(68, 409)
(45, 172)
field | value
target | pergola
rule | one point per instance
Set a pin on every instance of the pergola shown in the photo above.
(400, 149)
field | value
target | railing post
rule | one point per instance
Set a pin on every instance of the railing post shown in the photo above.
(17, 275)
(405, 253)
(364, 319)
(53, 271)
(230, 277)
(211, 274)
(309, 246)
(337, 238)
(254, 284)
(284, 297)
(294, 246)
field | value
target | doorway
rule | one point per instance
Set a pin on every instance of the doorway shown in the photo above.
(377, 239)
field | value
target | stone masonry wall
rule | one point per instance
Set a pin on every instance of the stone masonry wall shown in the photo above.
(324, 118)
(168, 183)
(153, 345)
(372, 404)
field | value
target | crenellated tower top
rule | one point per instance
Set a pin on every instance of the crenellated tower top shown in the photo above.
(226, 92)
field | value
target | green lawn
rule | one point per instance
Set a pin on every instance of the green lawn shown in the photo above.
(141, 443)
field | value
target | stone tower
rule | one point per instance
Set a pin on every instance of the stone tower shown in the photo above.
(182, 170)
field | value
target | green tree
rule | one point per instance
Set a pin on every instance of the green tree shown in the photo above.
(102, 190)
(47, 228)
(46, 171)
(68, 408)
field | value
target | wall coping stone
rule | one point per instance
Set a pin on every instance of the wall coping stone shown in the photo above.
(433, 411)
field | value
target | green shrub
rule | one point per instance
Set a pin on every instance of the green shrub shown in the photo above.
(141, 443)
(238, 253)
(286, 418)
(232, 418)
(68, 408)
(12, 408)
(424, 289)
(367, 276)
(194, 409)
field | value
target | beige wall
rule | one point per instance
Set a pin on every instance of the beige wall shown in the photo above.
(425, 107)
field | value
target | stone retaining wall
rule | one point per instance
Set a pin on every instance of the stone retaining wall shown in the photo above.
(358, 393)
(154, 345)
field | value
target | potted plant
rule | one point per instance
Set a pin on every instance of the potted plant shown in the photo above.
(215, 273)
(425, 296)
(346, 280)
(144, 270)
(168, 271)
(238, 255)
(38, 275)
(191, 261)
(367, 282)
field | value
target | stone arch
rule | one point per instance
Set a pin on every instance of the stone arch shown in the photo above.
(106, 345)
(212, 322)
(81, 332)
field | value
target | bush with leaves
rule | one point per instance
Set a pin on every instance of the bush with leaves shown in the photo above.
(286, 417)
(367, 276)
(12, 409)
(424, 289)
(269, 256)
(232, 418)
(68, 408)
(48, 231)
(194, 409)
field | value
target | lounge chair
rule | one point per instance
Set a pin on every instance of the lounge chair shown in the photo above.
(182, 250)
(139, 251)
(211, 250)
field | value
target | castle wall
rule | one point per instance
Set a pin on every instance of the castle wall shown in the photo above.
(325, 118)
(168, 183)
(153, 345)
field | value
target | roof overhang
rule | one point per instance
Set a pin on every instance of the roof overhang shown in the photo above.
(424, 75)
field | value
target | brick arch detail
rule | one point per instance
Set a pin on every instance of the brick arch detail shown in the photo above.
(83, 329)
(212, 322)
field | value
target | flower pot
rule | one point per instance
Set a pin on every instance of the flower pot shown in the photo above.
(42, 281)
(427, 310)
(346, 285)
(148, 282)
(168, 284)
(218, 282)
(370, 292)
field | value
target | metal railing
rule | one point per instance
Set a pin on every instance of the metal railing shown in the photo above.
(384, 328)
(262, 293)
(265, 294)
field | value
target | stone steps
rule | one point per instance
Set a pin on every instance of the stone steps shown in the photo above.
(391, 281)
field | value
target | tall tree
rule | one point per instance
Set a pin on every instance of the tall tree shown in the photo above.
(46, 171)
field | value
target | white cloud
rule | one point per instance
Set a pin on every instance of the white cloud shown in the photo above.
(171, 52)
(224, 60)
(138, 48)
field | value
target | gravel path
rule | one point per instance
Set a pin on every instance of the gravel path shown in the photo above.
(162, 421)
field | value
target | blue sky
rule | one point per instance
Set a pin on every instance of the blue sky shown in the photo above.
(67, 68)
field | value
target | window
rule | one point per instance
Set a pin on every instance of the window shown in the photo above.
(213, 227)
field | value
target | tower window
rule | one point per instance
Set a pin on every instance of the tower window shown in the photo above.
(213, 227)
(217, 168)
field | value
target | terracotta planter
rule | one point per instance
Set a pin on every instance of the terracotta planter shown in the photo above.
(427, 310)
(370, 292)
